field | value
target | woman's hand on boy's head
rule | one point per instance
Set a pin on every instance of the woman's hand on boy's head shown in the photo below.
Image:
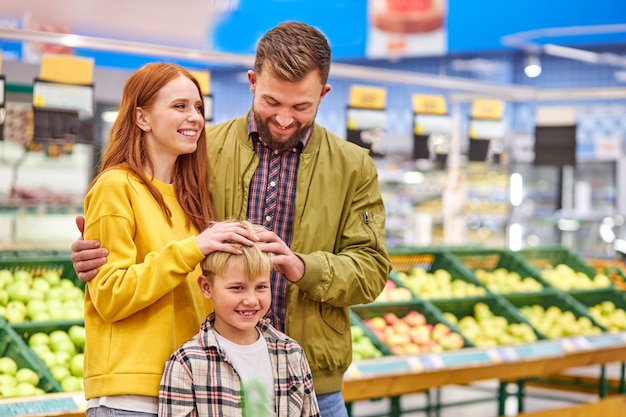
(221, 235)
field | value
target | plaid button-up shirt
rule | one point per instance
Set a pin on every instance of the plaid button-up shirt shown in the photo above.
(276, 172)
(199, 379)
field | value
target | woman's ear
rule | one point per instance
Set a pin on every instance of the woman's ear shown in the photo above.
(141, 119)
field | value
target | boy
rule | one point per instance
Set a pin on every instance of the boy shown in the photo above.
(238, 364)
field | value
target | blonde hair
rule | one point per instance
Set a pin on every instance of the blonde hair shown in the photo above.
(255, 262)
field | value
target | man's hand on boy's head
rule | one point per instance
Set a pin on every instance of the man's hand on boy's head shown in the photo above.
(285, 261)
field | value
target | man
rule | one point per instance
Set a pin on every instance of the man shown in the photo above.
(318, 196)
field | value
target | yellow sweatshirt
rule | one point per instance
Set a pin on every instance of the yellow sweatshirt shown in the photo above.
(145, 301)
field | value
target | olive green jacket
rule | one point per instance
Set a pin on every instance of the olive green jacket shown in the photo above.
(339, 233)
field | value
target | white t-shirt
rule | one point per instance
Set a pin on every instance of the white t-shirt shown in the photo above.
(252, 363)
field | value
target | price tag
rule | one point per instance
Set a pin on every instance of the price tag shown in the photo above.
(432, 361)
(368, 97)
(423, 104)
(487, 109)
(576, 343)
(415, 363)
(353, 371)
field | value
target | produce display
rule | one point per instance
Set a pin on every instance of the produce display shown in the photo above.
(392, 292)
(38, 298)
(362, 345)
(608, 315)
(501, 280)
(438, 284)
(62, 353)
(485, 329)
(17, 382)
(554, 323)
(565, 278)
(412, 334)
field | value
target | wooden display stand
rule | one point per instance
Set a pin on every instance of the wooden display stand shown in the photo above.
(609, 407)
(372, 385)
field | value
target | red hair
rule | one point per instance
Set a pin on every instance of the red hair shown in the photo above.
(127, 149)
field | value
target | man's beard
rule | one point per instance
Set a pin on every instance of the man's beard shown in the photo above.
(271, 142)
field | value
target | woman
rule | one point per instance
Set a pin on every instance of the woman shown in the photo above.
(148, 205)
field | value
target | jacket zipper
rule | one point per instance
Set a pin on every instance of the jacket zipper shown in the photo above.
(366, 220)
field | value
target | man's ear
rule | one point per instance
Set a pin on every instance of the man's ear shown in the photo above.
(141, 119)
(252, 81)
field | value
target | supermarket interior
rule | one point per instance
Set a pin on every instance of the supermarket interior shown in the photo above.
(498, 132)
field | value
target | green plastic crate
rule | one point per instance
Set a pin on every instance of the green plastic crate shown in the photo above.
(24, 332)
(14, 347)
(38, 262)
(405, 259)
(549, 256)
(540, 257)
(355, 320)
(593, 298)
(432, 315)
(498, 306)
(492, 259)
(560, 299)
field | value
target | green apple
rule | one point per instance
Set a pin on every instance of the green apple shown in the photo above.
(59, 372)
(35, 307)
(72, 384)
(55, 293)
(74, 293)
(37, 295)
(48, 357)
(18, 291)
(25, 389)
(6, 276)
(78, 335)
(52, 277)
(66, 283)
(23, 276)
(7, 366)
(63, 357)
(7, 380)
(38, 338)
(4, 297)
(76, 365)
(15, 312)
(8, 391)
(40, 284)
(27, 375)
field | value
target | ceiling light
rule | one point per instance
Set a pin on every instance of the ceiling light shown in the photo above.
(532, 66)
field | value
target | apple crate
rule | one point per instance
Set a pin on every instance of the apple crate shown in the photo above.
(492, 259)
(554, 297)
(548, 256)
(355, 320)
(615, 298)
(13, 346)
(24, 333)
(405, 259)
(365, 312)
(497, 305)
(39, 262)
